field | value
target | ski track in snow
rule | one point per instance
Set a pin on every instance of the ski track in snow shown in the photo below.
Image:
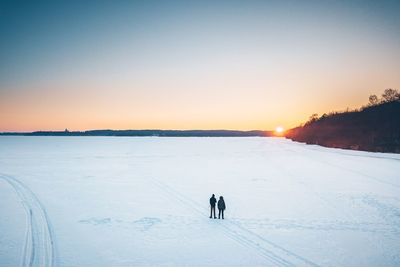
(272, 252)
(38, 248)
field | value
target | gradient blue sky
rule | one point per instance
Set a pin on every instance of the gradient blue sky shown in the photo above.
(191, 65)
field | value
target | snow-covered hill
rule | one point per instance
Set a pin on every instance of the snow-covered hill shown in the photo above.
(114, 201)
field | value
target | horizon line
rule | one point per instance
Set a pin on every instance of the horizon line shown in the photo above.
(144, 129)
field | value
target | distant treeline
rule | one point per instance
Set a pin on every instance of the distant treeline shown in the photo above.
(373, 127)
(162, 133)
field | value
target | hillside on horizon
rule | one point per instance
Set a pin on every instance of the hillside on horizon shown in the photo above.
(375, 127)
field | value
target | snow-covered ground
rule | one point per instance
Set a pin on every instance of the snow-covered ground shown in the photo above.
(115, 201)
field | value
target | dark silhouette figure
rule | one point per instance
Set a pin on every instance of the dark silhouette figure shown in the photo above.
(221, 207)
(213, 200)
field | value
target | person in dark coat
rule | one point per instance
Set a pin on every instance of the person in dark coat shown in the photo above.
(221, 207)
(213, 200)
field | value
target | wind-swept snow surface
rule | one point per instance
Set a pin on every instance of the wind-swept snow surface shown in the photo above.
(113, 201)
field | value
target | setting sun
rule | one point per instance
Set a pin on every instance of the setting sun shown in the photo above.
(279, 129)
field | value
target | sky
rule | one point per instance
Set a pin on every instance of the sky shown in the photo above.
(191, 64)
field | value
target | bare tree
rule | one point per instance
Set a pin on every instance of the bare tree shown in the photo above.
(373, 100)
(390, 95)
(313, 118)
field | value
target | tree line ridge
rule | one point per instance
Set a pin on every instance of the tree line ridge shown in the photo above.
(373, 127)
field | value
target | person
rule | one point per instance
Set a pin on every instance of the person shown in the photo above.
(221, 207)
(213, 200)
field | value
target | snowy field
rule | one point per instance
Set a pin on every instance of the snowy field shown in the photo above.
(125, 201)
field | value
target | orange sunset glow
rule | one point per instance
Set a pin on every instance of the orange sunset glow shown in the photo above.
(246, 66)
